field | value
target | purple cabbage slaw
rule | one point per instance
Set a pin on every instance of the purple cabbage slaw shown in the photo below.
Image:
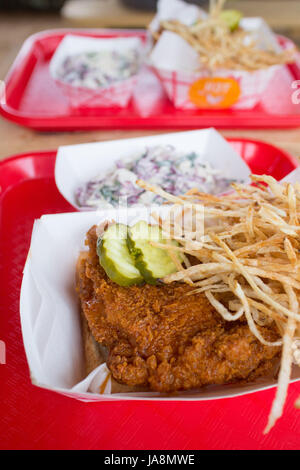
(174, 171)
(98, 69)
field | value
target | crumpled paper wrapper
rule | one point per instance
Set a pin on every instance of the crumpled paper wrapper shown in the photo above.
(177, 65)
(117, 94)
(78, 164)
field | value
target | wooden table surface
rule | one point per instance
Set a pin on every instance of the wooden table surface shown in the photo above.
(14, 29)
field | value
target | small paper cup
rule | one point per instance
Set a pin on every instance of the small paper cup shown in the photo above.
(117, 94)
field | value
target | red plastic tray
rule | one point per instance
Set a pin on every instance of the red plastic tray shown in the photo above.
(33, 418)
(34, 100)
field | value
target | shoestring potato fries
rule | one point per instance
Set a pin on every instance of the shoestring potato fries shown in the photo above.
(219, 46)
(248, 259)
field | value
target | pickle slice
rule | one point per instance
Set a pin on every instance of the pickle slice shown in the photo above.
(152, 262)
(115, 258)
(232, 18)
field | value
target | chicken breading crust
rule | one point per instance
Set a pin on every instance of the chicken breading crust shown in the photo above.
(161, 338)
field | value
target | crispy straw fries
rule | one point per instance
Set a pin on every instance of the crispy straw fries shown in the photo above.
(247, 261)
(219, 47)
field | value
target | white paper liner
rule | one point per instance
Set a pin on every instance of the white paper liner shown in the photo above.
(176, 62)
(117, 94)
(77, 164)
(50, 316)
(175, 9)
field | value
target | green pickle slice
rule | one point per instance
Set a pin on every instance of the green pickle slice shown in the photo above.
(232, 18)
(115, 258)
(152, 262)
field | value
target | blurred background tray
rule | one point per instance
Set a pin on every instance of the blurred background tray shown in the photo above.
(34, 100)
(17, 25)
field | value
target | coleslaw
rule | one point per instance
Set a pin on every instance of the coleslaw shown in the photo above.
(175, 171)
(98, 69)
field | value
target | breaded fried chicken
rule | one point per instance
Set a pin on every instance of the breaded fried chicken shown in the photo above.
(162, 338)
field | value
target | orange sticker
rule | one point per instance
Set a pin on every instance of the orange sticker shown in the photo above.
(217, 93)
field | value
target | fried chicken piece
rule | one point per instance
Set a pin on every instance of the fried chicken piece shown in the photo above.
(216, 357)
(160, 337)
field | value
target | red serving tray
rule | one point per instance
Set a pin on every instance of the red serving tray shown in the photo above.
(34, 100)
(34, 418)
